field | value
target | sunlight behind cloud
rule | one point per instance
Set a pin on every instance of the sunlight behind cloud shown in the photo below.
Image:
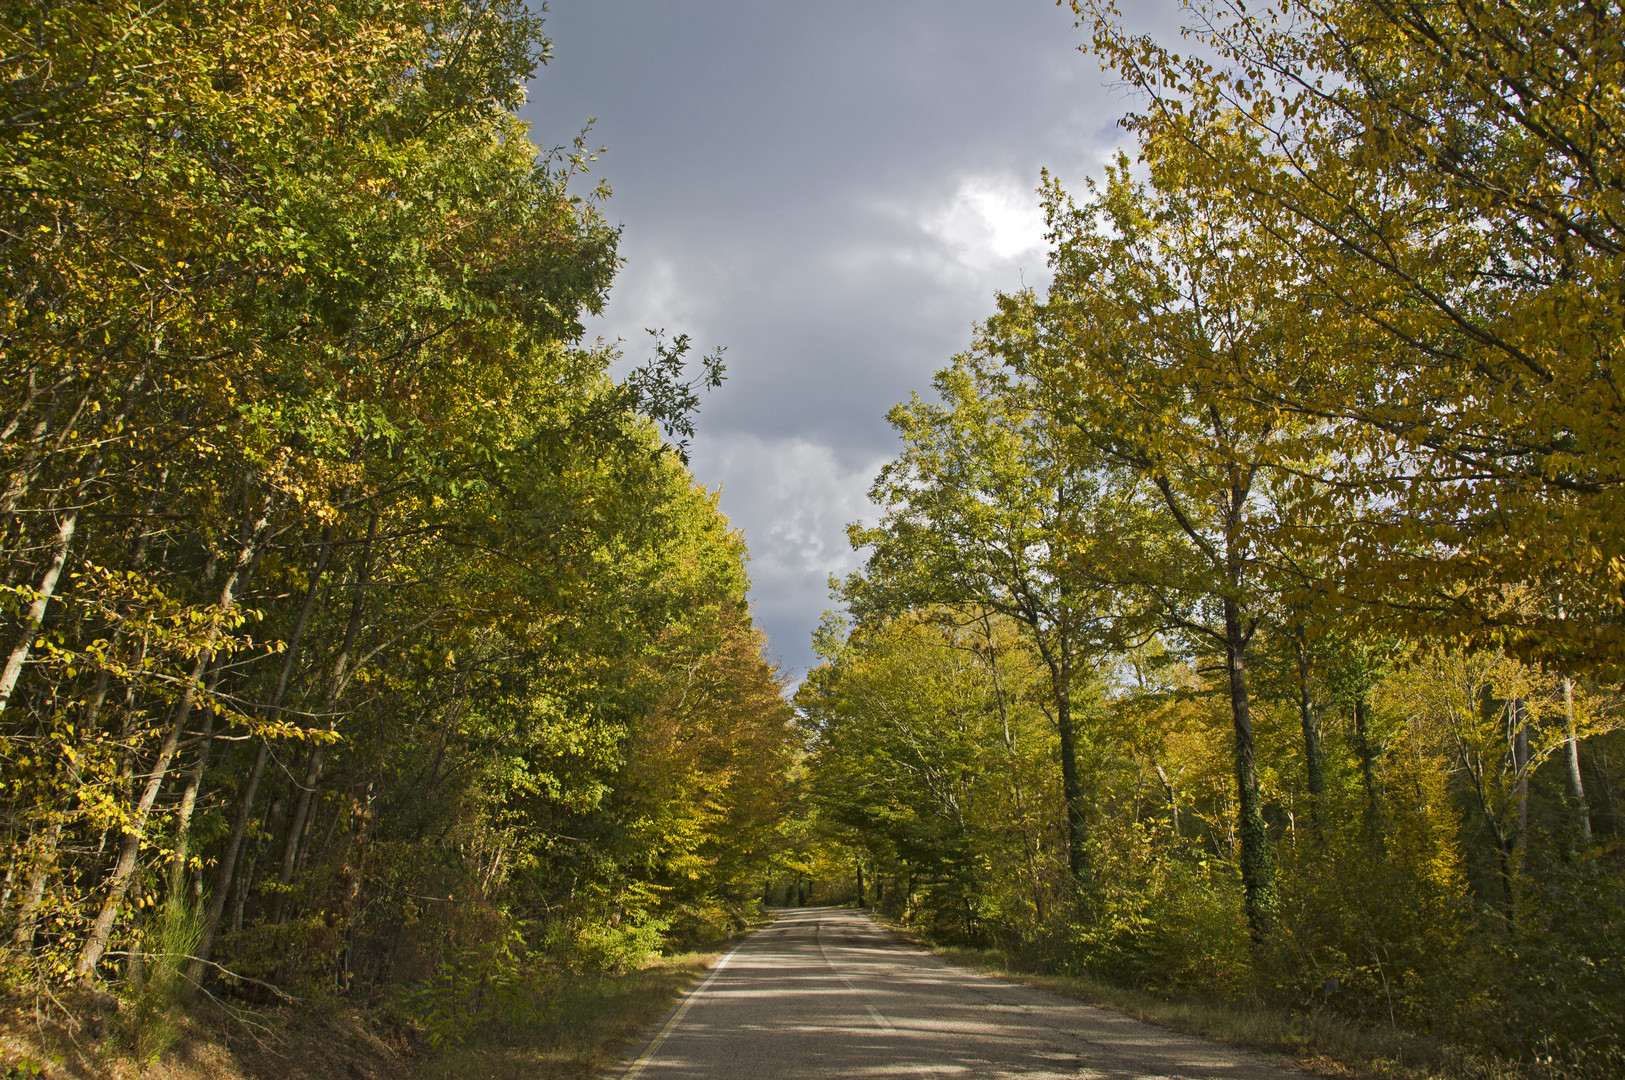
(988, 220)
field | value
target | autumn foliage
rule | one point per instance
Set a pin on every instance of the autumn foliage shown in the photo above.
(361, 632)
(1247, 608)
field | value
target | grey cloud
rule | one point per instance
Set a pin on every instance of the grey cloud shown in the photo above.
(787, 176)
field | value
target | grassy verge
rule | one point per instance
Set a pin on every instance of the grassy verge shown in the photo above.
(586, 1025)
(575, 1027)
(1316, 1042)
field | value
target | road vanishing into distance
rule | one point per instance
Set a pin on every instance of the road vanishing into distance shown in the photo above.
(824, 992)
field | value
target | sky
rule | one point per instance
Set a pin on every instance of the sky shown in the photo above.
(833, 192)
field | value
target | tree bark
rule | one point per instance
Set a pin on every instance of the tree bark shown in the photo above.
(130, 846)
(66, 527)
(1368, 757)
(1518, 716)
(1077, 826)
(1028, 847)
(1314, 763)
(1571, 746)
(1257, 860)
(335, 688)
(36, 611)
(245, 809)
(1313, 759)
(194, 779)
(1173, 795)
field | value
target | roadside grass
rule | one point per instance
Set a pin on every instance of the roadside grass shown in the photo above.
(586, 1024)
(1317, 1042)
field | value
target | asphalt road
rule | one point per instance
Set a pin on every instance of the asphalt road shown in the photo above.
(824, 992)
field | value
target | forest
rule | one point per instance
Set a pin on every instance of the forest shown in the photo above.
(1243, 616)
(361, 632)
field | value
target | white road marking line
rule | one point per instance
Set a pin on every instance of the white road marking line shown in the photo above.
(648, 1055)
(874, 1013)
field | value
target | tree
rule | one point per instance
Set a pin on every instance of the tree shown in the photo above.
(1158, 303)
(1446, 177)
(990, 507)
(930, 754)
(341, 577)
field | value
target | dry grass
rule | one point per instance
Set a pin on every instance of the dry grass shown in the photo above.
(1317, 1042)
(575, 1028)
(585, 1026)
(77, 1038)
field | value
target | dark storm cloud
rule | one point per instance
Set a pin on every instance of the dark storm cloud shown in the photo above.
(833, 191)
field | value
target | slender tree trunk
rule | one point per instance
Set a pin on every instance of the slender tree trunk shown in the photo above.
(1571, 746)
(1368, 756)
(23, 475)
(1314, 763)
(335, 688)
(33, 395)
(243, 887)
(1506, 854)
(66, 527)
(1313, 760)
(245, 808)
(130, 846)
(1018, 796)
(45, 857)
(1257, 861)
(1077, 827)
(194, 779)
(1518, 716)
(34, 896)
(38, 877)
(1173, 796)
(36, 610)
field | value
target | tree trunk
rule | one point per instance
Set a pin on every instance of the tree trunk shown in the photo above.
(59, 553)
(245, 808)
(1173, 796)
(39, 876)
(194, 779)
(1257, 861)
(1518, 716)
(45, 857)
(1028, 847)
(335, 688)
(1077, 834)
(130, 846)
(36, 611)
(1368, 757)
(1313, 760)
(1571, 746)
